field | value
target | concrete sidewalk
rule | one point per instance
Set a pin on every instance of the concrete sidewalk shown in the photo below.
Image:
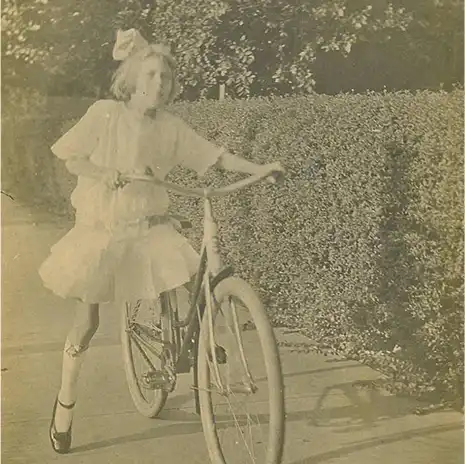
(331, 416)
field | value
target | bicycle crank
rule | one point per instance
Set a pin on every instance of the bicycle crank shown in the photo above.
(159, 380)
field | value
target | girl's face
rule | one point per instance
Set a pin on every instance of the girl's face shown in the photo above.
(154, 82)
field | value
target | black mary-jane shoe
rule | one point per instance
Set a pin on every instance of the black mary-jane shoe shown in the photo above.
(61, 441)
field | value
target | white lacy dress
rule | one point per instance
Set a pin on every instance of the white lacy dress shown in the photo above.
(111, 253)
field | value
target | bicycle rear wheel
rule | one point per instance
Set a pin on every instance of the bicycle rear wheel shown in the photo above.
(141, 337)
(241, 389)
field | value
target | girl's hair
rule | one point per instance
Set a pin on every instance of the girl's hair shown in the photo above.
(124, 79)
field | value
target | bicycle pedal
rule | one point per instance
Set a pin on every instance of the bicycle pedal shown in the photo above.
(220, 354)
(156, 380)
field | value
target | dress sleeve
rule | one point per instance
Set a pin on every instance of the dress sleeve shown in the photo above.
(195, 152)
(82, 138)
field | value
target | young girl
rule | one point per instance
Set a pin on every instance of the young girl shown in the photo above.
(113, 252)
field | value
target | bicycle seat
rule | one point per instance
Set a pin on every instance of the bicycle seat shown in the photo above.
(183, 222)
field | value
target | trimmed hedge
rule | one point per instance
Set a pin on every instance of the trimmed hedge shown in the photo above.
(362, 246)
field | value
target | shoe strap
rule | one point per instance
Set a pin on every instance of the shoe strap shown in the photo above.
(67, 406)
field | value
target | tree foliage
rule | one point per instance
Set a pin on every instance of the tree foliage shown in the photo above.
(256, 47)
(436, 37)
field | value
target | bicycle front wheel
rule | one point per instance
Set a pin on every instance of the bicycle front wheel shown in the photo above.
(141, 340)
(240, 380)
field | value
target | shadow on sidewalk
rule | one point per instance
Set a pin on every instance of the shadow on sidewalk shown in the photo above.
(186, 428)
(364, 411)
(367, 405)
(189, 423)
(378, 441)
(318, 371)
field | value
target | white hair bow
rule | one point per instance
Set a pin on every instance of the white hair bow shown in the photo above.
(128, 42)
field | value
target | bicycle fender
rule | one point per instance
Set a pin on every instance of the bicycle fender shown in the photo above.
(226, 272)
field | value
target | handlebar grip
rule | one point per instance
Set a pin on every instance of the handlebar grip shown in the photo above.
(278, 176)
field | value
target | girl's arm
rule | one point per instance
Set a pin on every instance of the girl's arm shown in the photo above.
(197, 153)
(231, 162)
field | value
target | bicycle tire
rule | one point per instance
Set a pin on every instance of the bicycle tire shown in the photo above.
(147, 407)
(234, 287)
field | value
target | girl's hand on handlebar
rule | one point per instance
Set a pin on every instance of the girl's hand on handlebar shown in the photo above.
(113, 179)
(148, 171)
(278, 172)
(135, 174)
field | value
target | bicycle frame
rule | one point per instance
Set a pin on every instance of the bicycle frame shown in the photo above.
(209, 274)
(214, 366)
(210, 271)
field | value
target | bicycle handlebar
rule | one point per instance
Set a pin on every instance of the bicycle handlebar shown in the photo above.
(205, 192)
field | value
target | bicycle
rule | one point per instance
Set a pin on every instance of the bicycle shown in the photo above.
(212, 340)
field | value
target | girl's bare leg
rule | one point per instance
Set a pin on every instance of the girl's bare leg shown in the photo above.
(85, 325)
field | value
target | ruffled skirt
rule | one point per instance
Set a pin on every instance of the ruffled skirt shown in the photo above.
(96, 265)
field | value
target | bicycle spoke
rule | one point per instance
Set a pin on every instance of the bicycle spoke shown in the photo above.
(237, 333)
(236, 397)
(210, 300)
(137, 339)
(245, 421)
(149, 326)
(143, 357)
(240, 430)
